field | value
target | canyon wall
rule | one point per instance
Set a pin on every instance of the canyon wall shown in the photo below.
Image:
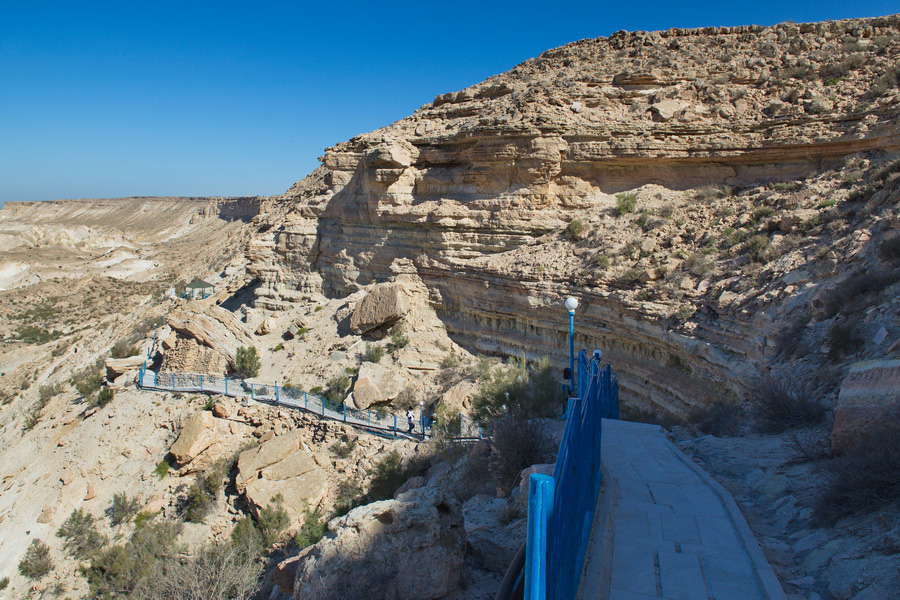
(474, 192)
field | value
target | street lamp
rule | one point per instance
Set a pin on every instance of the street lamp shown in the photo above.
(571, 305)
(422, 417)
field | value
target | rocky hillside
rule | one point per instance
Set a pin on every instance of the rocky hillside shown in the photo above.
(703, 192)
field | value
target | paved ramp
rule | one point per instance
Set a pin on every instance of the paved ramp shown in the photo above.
(665, 529)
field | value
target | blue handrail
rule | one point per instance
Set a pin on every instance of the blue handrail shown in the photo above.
(559, 549)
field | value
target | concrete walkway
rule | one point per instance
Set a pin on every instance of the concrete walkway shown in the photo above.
(665, 529)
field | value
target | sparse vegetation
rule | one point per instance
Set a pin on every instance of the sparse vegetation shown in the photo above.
(246, 362)
(373, 353)
(843, 340)
(103, 397)
(576, 229)
(601, 261)
(398, 340)
(123, 509)
(759, 247)
(780, 404)
(273, 520)
(124, 349)
(312, 529)
(720, 418)
(520, 442)
(203, 493)
(519, 390)
(162, 468)
(4, 583)
(336, 389)
(82, 538)
(344, 448)
(626, 203)
(391, 472)
(37, 562)
(631, 276)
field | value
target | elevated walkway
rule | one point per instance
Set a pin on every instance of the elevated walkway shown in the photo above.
(665, 529)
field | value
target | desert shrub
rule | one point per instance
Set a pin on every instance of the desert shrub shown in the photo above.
(103, 397)
(626, 203)
(116, 571)
(576, 229)
(857, 291)
(601, 261)
(311, 530)
(344, 448)
(373, 353)
(843, 341)
(699, 264)
(278, 347)
(37, 562)
(866, 477)
(719, 418)
(391, 472)
(708, 193)
(203, 493)
(348, 496)
(87, 383)
(246, 361)
(759, 247)
(162, 468)
(336, 388)
(398, 340)
(215, 572)
(4, 583)
(123, 509)
(450, 361)
(273, 520)
(246, 535)
(631, 276)
(780, 404)
(81, 535)
(520, 390)
(811, 444)
(787, 186)
(519, 443)
(789, 341)
(48, 391)
(124, 349)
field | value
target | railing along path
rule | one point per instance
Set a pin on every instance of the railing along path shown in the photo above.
(376, 421)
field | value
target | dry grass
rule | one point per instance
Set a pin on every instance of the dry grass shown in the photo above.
(780, 404)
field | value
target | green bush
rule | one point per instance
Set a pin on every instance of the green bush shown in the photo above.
(81, 536)
(312, 530)
(103, 397)
(246, 362)
(374, 353)
(246, 535)
(123, 509)
(843, 340)
(201, 496)
(391, 472)
(348, 496)
(398, 340)
(4, 583)
(520, 390)
(37, 562)
(124, 349)
(162, 468)
(88, 383)
(519, 443)
(576, 229)
(601, 261)
(336, 388)
(116, 571)
(344, 448)
(626, 203)
(273, 520)
(760, 248)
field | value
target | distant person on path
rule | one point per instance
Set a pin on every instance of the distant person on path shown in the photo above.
(411, 420)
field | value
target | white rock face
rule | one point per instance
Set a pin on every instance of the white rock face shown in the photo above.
(411, 548)
(376, 384)
(386, 303)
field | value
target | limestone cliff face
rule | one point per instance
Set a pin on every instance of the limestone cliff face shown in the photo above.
(473, 193)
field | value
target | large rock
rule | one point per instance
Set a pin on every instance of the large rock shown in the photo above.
(376, 384)
(280, 466)
(386, 303)
(116, 367)
(212, 327)
(869, 393)
(200, 431)
(411, 548)
(491, 543)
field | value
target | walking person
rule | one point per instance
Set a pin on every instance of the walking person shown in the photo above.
(411, 420)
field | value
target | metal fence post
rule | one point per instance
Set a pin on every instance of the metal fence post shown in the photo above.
(540, 505)
(323, 406)
(252, 394)
(226, 386)
(345, 411)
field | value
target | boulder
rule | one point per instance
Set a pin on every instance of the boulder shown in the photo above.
(116, 367)
(198, 434)
(212, 327)
(492, 544)
(410, 548)
(376, 384)
(251, 462)
(869, 394)
(264, 327)
(384, 304)
(667, 109)
(459, 397)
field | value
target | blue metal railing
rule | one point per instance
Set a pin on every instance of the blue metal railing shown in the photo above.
(294, 398)
(557, 545)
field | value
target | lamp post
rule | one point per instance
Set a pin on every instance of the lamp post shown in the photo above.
(571, 305)
(422, 417)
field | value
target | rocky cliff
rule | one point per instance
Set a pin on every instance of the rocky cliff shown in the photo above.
(695, 188)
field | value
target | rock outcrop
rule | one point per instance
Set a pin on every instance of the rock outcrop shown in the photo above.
(410, 548)
(383, 305)
(279, 466)
(375, 385)
(199, 433)
(208, 339)
(870, 394)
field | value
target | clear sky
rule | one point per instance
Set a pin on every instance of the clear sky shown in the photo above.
(190, 98)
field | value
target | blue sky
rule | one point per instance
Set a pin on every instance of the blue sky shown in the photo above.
(107, 99)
